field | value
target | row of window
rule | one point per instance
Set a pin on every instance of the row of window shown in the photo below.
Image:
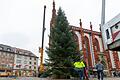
(30, 67)
(5, 66)
(6, 57)
(25, 62)
(31, 63)
(6, 54)
(25, 57)
(8, 49)
(18, 56)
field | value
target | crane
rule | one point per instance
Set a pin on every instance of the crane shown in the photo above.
(41, 69)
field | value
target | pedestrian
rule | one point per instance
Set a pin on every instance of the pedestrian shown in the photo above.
(79, 67)
(115, 74)
(100, 68)
(118, 74)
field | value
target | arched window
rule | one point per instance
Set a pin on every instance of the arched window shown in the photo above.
(97, 47)
(87, 48)
(76, 40)
(1, 48)
(8, 49)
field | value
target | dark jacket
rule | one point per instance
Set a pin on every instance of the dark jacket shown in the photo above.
(99, 66)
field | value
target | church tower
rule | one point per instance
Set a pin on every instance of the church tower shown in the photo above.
(52, 22)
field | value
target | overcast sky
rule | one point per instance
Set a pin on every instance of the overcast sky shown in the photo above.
(21, 21)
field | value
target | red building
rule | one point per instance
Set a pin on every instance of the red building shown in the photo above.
(91, 44)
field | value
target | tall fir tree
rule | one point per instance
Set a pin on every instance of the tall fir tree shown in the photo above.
(63, 49)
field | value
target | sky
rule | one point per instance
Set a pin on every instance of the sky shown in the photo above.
(21, 21)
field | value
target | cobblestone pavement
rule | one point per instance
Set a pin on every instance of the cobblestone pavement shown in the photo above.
(36, 78)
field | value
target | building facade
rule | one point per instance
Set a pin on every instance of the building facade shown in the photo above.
(18, 61)
(90, 43)
(6, 58)
(111, 34)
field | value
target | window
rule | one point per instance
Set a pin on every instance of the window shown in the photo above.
(30, 58)
(30, 67)
(20, 52)
(18, 61)
(29, 62)
(17, 51)
(25, 57)
(9, 54)
(12, 55)
(25, 62)
(17, 66)
(18, 56)
(34, 63)
(4, 65)
(116, 26)
(4, 53)
(34, 67)
(107, 34)
(8, 49)
(1, 48)
(34, 58)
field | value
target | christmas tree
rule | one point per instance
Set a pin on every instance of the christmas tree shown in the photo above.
(62, 51)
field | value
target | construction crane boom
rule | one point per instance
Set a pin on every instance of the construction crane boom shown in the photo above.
(41, 49)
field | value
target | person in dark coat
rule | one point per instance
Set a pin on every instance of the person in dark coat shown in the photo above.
(100, 68)
(114, 74)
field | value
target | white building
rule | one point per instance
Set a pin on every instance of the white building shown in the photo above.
(24, 62)
(111, 34)
(111, 39)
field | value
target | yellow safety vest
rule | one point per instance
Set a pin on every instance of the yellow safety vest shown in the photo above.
(79, 64)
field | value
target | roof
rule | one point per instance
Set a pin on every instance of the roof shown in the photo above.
(15, 50)
(84, 30)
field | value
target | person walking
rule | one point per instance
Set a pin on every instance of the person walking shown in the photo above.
(79, 67)
(100, 68)
(115, 74)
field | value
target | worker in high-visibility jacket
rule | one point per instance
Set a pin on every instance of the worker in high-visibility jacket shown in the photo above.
(79, 67)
